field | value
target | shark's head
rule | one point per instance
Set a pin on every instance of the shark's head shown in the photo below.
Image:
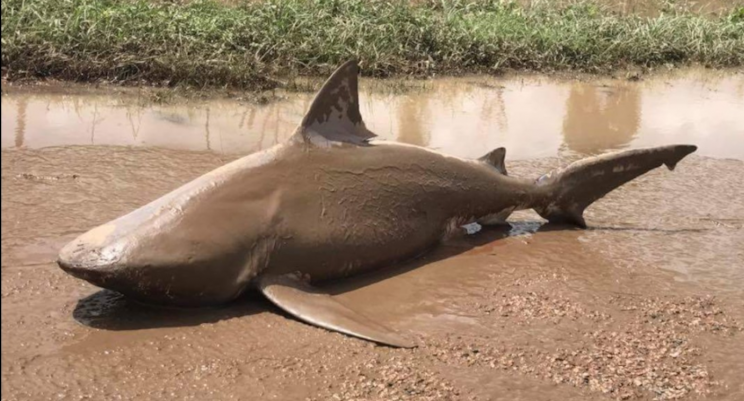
(160, 254)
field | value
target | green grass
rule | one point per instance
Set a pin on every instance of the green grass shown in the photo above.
(207, 43)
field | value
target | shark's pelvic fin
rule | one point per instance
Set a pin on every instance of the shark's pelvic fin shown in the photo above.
(334, 114)
(306, 303)
(495, 158)
(567, 192)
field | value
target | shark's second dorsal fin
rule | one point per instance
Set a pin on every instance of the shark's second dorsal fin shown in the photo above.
(334, 114)
(495, 158)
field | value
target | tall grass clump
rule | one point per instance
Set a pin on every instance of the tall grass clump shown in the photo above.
(208, 43)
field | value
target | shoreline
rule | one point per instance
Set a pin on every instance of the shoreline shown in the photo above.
(147, 94)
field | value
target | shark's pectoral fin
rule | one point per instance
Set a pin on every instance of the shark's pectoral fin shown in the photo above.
(308, 304)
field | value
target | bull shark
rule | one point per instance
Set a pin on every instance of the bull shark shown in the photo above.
(328, 203)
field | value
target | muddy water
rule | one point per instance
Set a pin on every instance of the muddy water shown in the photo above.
(532, 117)
(646, 304)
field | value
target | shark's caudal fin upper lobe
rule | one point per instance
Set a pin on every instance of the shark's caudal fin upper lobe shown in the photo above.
(569, 191)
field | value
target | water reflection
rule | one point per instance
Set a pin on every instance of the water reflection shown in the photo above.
(20, 128)
(410, 120)
(600, 118)
(533, 117)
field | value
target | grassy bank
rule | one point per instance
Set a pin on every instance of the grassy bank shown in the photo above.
(208, 43)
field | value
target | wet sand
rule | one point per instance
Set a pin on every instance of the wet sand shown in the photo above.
(645, 304)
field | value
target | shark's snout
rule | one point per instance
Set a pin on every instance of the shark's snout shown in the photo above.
(89, 260)
(76, 269)
(87, 273)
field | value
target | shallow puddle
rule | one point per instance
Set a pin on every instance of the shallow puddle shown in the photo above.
(648, 303)
(531, 117)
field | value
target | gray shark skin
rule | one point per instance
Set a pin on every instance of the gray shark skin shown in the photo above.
(329, 203)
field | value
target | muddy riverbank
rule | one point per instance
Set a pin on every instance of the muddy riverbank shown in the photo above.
(645, 304)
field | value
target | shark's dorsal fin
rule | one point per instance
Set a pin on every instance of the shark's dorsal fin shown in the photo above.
(495, 158)
(334, 114)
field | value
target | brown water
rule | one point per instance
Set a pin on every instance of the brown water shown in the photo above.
(466, 117)
(646, 304)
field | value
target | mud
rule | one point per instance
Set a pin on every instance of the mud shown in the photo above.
(645, 304)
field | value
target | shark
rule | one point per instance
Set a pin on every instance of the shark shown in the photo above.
(330, 202)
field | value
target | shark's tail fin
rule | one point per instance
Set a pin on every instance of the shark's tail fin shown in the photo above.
(572, 189)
